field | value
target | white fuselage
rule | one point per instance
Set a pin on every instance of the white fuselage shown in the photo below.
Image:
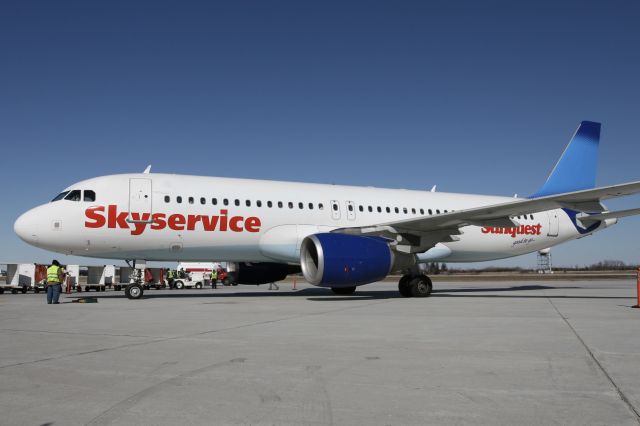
(191, 218)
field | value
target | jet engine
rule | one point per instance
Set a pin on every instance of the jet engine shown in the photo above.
(342, 260)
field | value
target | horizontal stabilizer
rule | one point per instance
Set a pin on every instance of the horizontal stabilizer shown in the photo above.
(589, 220)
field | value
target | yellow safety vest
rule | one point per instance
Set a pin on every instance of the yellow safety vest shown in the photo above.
(52, 274)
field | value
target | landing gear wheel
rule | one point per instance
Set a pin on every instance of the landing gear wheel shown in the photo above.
(421, 286)
(404, 286)
(344, 290)
(134, 291)
(179, 285)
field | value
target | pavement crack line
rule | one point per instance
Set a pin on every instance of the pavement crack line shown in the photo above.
(165, 339)
(71, 333)
(621, 394)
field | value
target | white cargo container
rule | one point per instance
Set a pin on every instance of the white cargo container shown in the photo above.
(20, 277)
(99, 277)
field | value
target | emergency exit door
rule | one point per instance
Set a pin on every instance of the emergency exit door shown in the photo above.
(554, 223)
(139, 196)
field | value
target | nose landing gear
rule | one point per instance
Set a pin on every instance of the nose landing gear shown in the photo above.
(135, 288)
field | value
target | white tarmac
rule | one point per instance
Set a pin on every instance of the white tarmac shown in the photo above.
(477, 353)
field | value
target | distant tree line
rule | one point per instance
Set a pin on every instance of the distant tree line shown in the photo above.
(604, 265)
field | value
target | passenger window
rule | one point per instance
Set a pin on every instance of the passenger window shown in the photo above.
(237, 202)
(225, 202)
(167, 199)
(437, 211)
(179, 199)
(350, 207)
(203, 200)
(388, 210)
(421, 211)
(335, 207)
(301, 206)
(214, 201)
(190, 200)
(430, 211)
(361, 208)
(269, 204)
(404, 210)
(259, 203)
(290, 205)
(413, 211)
(279, 204)
(321, 206)
(379, 209)
(370, 209)
(248, 203)
(89, 195)
(310, 206)
(396, 210)
(60, 196)
(531, 216)
(73, 195)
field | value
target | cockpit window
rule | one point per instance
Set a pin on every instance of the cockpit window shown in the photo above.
(60, 196)
(73, 195)
(89, 195)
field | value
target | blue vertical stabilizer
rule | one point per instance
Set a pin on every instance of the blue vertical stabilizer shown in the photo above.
(576, 169)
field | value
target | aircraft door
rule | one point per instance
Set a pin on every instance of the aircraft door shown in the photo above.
(140, 195)
(554, 223)
(335, 209)
(351, 210)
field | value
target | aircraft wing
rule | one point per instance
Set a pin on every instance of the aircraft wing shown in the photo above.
(417, 235)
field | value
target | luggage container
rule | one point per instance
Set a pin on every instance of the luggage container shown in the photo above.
(154, 278)
(22, 277)
(72, 279)
(124, 279)
(99, 277)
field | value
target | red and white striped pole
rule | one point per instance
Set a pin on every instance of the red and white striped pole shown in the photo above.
(637, 305)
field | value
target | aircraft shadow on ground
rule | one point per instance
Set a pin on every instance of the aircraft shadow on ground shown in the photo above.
(325, 295)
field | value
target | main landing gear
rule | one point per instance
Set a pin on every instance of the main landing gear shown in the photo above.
(344, 290)
(415, 286)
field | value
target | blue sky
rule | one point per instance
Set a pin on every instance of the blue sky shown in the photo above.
(476, 97)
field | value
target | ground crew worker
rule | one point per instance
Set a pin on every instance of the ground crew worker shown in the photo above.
(170, 278)
(54, 282)
(214, 278)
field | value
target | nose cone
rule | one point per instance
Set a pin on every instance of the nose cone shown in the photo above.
(26, 228)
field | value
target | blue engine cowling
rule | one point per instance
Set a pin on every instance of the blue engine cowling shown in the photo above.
(341, 260)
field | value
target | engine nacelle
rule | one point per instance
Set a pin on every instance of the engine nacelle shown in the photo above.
(342, 260)
(260, 273)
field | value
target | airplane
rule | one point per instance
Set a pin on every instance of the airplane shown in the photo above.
(339, 237)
